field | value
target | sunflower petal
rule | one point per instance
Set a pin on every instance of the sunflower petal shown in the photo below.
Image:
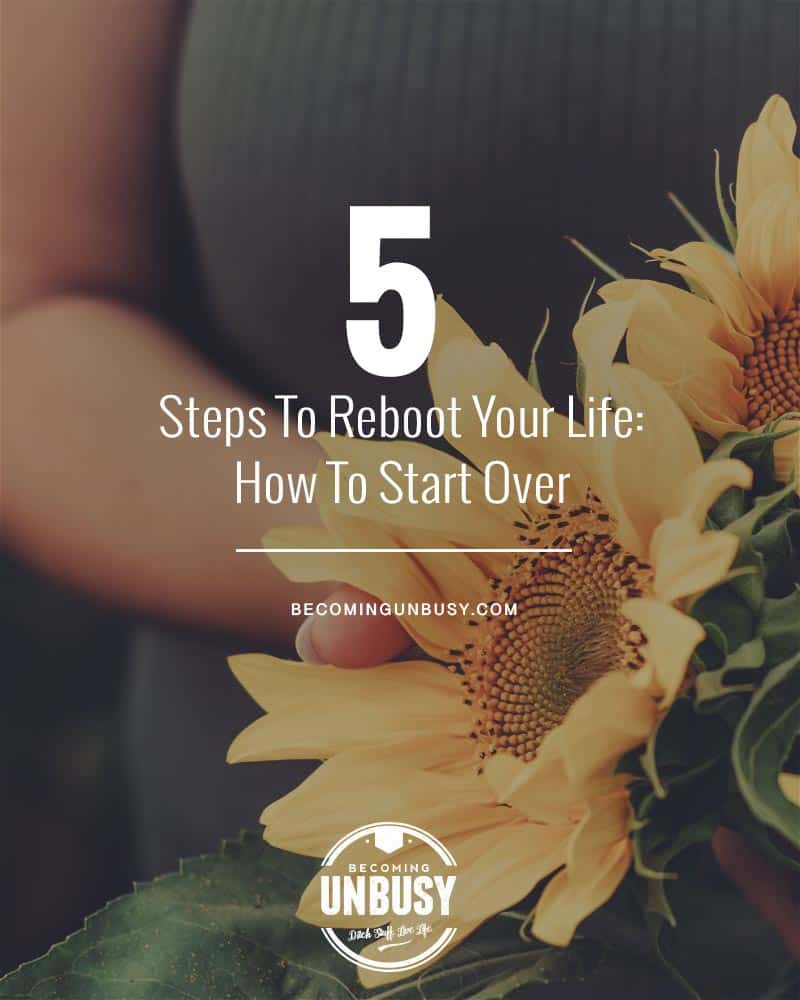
(701, 488)
(612, 717)
(496, 868)
(540, 789)
(317, 711)
(672, 637)
(789, 785)
(707, 267)
(500, 866)
(468, 849)
(688, 561)
(675, 337)
(347, 791)
(599, 332)
(460, 367)
(765, 156)
(469, 523)
(605, 824)
(501, 770)
(768, 250)
(405, 579)
(787, 453)
(566, 902)
(639, 478)
(399, 577)
(701, 318)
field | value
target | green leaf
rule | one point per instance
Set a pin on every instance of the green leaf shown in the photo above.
(755, 450)
(720, 764)
(580, 380)
(657, 896)
(748, 528)
(580, 369)
(686, 763)
(762, 742)
(552, 966)
(224, 926)
(533, 370)
(682, 747)
(760, 597)
(779, 625)
(727, 221)
(598, 261)
(713, 650)
(695, 224)
(649, 762)
(777, 542)
(749, 522)
(735, 674)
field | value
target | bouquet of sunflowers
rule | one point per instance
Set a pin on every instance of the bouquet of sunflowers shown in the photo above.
(587, 758)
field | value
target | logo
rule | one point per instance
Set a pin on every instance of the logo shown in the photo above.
(396, 883)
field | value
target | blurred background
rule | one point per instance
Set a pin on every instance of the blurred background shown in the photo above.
(65, 841)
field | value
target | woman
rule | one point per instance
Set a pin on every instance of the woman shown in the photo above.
(261, 122)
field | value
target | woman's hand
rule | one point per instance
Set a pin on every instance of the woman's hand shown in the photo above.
(773, 892)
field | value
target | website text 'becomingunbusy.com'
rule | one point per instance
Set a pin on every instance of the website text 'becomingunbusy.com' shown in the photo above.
(399, 609)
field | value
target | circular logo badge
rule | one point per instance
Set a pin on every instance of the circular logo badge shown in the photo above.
(395, 883)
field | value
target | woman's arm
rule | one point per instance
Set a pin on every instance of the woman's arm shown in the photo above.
(92, 491)
(97, 496)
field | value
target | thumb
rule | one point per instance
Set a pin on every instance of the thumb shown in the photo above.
(343, 639)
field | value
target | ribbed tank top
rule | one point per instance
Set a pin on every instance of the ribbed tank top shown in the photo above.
(517, 121)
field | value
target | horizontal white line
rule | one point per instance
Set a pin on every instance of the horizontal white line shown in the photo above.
(525, 551)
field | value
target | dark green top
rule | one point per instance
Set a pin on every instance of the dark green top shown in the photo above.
(518, 121)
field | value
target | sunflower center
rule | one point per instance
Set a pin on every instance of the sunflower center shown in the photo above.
(524, 671)
(772, 370)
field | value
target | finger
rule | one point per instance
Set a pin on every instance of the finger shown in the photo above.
(360, 640)
(763, 886)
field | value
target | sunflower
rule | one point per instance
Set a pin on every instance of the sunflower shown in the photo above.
(503, 743)
(729, 348)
